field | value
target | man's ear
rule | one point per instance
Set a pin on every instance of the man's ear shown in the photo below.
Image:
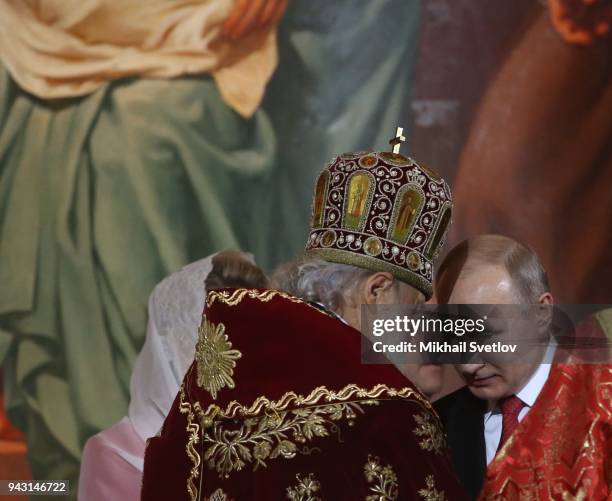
(377, 288)
(546, 298)
(545, 312)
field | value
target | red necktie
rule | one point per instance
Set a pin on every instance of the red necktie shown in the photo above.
(510, 408)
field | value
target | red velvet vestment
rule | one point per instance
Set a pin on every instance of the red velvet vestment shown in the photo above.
(277, 405)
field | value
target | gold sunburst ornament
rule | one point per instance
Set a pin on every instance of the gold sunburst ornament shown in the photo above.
(215, 358)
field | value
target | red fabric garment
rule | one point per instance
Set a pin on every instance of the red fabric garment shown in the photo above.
(304, 419)
(510, 408)
(561, 449)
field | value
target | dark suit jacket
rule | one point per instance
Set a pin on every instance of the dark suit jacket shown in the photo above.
(462, 415)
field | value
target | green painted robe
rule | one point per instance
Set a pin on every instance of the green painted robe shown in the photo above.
(102, 196)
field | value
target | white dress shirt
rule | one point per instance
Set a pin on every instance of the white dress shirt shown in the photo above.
(528, 394)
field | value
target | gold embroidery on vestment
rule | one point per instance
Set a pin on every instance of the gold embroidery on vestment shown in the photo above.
(215, 358)
(193, 437)
(430, 432)
(430, 493)
(232, 298)
(383, 479)
(291, 399)
(218, 495)
(276, 434)
(305, 489)
(273, 409)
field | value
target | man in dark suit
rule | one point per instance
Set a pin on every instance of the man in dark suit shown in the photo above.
(489, 269)
(461, 414)
(525, 428)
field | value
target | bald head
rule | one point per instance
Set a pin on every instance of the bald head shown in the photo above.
(509, 271)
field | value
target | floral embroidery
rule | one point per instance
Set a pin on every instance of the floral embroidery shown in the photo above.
(215, 358)
(305, 489)
(277, 434)
(262, 404)
(430, 493)
(431, 433)
(383, 478)
(218, 495)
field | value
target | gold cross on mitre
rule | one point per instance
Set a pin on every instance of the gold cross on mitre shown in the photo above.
(397, 141)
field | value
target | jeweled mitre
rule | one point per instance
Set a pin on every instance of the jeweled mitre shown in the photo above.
(382, 211)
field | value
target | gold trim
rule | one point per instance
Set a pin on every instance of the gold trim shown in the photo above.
(383, 478)
(305, 489)
(351, 155)
(429, 252)
(293, 400)
(215, 358)
(236, 296)
(375, 264)
(391, 159)
(193, 434)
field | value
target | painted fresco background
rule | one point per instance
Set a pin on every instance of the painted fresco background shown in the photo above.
(521, 120)
(511, 108)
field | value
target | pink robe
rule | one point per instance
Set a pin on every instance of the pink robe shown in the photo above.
(112, 464)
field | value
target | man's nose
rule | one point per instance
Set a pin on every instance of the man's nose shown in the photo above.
(470, 369)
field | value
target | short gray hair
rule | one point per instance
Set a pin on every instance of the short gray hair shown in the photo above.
(331, 284)
(520, 261)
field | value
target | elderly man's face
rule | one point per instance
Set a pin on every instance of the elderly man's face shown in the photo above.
(405, 294)
(427, 377)
(488, 284)
(381, 288)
